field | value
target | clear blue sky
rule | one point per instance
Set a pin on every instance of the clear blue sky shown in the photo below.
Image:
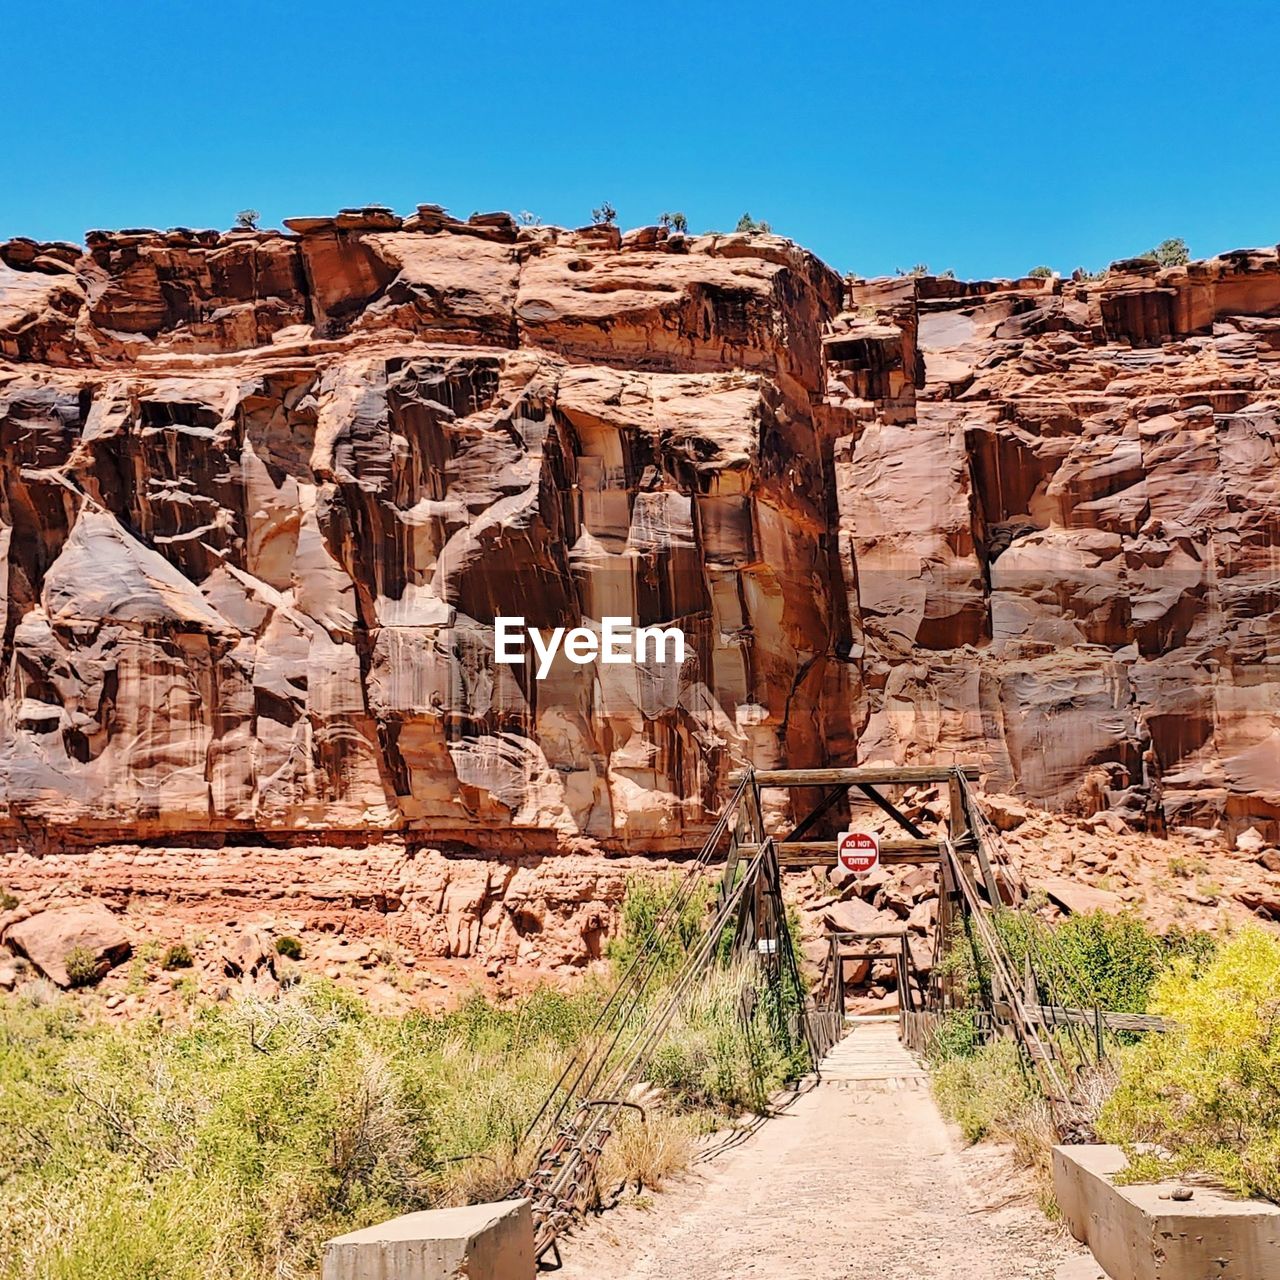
(980, 135)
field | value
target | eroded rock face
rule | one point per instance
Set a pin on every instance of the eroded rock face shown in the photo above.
(1070, 557)
(264, 496)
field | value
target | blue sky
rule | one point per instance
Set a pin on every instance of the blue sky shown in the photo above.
(985, 137)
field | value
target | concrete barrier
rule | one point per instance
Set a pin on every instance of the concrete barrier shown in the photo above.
(480, 1242)
(1136, 1235)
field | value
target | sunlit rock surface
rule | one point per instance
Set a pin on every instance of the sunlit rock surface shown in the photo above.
(264, 495)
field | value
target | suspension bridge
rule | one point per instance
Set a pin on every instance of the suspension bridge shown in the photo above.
(1012, 984)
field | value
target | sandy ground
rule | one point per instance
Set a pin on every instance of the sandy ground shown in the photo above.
(857, 1178)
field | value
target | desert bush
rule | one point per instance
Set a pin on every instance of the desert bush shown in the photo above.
(82, 967)
(606, 215)
(957, 1035)
(247, 220)
(288, 947)
(983, 1091)
(177, 956)
(1170, 253)
(1111, 961)
(752, 225)
(713, 1057)
(1115, 962)
(646, 900)
(233, 1146)
(7, 900)
(1206, 1091)
(1040, 273)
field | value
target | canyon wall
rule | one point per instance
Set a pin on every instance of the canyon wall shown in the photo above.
(265, 493)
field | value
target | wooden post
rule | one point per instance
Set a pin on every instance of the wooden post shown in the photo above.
(958, 825)
(946, 928)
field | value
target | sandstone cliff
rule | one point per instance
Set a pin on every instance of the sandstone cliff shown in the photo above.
(264, 494)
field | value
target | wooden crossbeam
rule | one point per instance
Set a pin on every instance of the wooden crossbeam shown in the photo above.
(828, 802)
(854, 777)
(887, 806)
(796, 854)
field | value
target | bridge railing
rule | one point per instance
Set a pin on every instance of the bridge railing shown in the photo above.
(746, 927)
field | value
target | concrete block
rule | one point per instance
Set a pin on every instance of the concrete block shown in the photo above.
(480, 1242)
(1136, 1235)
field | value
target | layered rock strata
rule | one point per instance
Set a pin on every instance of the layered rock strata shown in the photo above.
(265, 493)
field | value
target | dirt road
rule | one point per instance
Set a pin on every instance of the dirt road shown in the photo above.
(858, 1179)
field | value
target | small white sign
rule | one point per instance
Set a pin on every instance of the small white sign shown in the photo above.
(858, 851)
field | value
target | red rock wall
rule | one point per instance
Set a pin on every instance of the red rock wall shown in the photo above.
(264, 494)
(1067, 559)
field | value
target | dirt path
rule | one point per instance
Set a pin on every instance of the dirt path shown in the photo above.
(858, 1179)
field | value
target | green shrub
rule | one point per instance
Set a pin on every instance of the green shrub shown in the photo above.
(1206, 1091)
(984, 1090)
(957, 1035)
(1170, 253)
(289, 947)
(752, 225)
(7, 900)
(1040, 273)
(644, 903)
(178, 956)
(233, 1146)
(82, 967)
(1112, 961)
(711, 1058)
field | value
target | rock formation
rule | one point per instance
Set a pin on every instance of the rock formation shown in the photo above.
(265, 493)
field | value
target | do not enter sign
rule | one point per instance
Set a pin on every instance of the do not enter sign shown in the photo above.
(858, 851)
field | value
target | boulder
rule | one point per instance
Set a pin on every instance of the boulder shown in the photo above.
(251, 957)
(1005, 812)
(856, 916)
(49, 937)
(1078, 899)
(1250, 840)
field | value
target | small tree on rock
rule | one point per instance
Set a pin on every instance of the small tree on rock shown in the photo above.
(247, 220)
(673, 221)
(750, 225)
(605, 216)
(1040, 273)
(1170, 253)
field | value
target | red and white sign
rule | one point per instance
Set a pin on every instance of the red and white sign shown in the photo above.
(858, 851)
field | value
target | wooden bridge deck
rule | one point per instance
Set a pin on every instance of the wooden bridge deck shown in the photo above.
(872, 1056)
